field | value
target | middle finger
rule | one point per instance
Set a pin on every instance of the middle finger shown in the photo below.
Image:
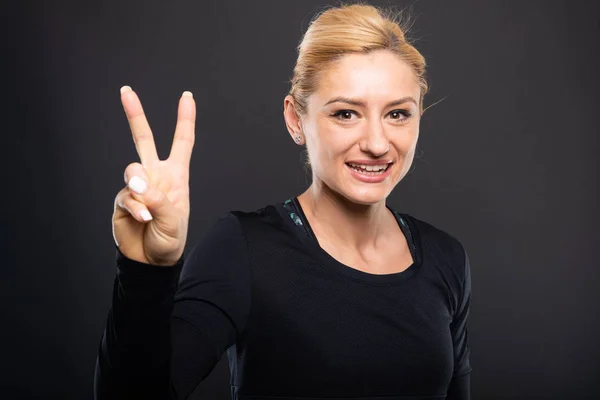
(140, 129)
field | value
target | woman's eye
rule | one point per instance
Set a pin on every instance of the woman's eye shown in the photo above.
(400, 115)
(343, 114)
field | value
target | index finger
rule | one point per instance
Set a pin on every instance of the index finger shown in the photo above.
(183, 141)
(140, 129)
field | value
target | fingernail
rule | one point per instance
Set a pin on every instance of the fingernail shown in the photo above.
(125, 89)
(145, 214)
(188, 93)
(138, 185)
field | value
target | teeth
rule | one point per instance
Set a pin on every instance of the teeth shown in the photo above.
(370, 167)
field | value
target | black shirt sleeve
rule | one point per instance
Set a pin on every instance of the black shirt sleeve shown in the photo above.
(459, 388)
(169, 326)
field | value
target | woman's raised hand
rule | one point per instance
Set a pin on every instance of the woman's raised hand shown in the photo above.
(151, 213)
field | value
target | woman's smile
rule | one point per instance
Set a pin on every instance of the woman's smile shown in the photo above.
(369, 172)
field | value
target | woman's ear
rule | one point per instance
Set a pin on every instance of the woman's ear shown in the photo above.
(293, 121)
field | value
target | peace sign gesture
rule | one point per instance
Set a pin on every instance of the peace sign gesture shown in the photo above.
(151, 213)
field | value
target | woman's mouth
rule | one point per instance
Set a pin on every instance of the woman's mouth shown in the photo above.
(369, 173)
(370, 170)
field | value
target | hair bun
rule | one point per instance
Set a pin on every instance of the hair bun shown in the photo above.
(354, 28)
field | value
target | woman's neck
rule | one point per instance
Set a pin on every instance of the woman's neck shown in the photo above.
(342, 222)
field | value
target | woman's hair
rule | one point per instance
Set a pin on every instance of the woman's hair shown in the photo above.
(351, 28)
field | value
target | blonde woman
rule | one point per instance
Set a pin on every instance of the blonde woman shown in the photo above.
(328, 294)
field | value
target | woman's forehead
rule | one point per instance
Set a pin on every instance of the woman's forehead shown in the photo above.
(372, 78)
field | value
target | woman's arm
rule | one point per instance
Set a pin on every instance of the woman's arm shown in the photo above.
(460, 388)
(168, 327)
(133, 358)
(460, 385)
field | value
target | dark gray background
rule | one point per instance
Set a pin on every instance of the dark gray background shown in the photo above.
(507, 162)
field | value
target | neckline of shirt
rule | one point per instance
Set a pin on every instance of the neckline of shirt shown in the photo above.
(297, 220)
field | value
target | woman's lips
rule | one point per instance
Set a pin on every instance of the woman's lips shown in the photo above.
(370, 177)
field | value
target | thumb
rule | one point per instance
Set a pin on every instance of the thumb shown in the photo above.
(157, 202)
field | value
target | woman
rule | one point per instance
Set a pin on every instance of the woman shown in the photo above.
(327, 294)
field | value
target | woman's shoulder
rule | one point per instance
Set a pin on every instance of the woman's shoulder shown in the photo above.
(229, 230)
(437, 238)
(429, 228)
(263, 217)
(263, 213)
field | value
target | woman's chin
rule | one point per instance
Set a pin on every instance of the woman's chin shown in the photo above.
(362, 193)
(368, 193)
(366, 197)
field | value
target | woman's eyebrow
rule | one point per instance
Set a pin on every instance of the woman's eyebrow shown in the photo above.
(359, 103)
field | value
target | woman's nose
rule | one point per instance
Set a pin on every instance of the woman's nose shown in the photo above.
(375, 140)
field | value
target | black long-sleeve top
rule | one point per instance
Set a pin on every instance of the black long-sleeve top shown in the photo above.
(296, 324)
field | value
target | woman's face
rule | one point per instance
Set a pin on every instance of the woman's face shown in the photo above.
(365, 114)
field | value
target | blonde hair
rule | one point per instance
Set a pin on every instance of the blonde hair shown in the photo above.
(351, 28)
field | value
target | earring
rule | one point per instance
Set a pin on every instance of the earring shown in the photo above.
(298, 139)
